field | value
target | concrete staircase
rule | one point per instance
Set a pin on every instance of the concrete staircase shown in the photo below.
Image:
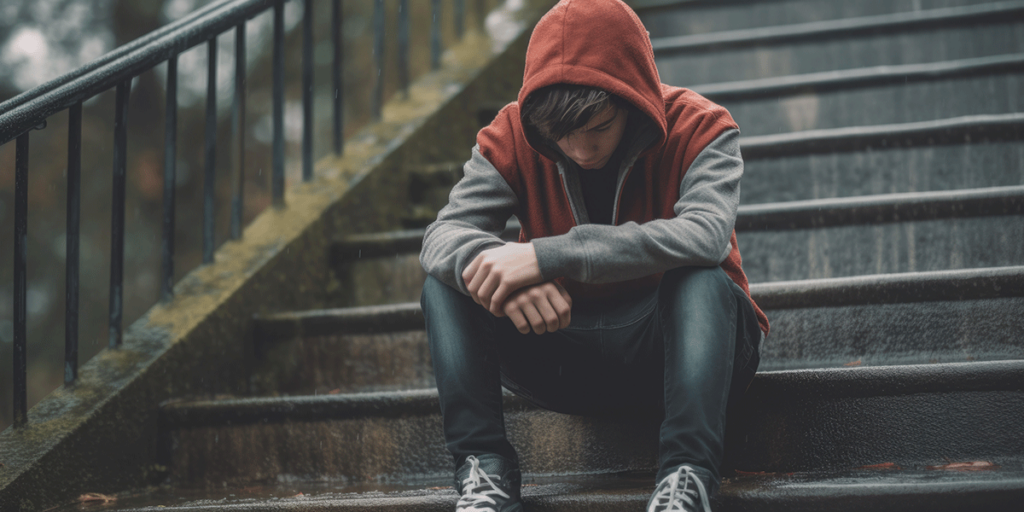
(881, 228)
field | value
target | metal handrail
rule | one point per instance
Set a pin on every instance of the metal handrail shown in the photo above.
(29, 110)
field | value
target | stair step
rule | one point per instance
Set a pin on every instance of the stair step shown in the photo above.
(949, 154)
(883, 234)
(845, 27)
(384, 268)
(955, 130)
(409, 241)
(897, 490)
(690, 17)
(888, 233)
(805, 420)
(880, 104)
(881, 208)
(879, 320)
(874, 95)
(896, 39)
(847, 79)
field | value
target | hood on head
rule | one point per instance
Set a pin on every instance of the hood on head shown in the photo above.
(597, 43)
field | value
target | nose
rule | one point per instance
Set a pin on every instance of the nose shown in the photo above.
(583, 148)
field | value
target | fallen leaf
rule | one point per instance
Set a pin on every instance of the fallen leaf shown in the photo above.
(93, 497)
(438, 488)
(884, 465)
(853, 363)
(299, 495)
(974, 465)
(334, 391)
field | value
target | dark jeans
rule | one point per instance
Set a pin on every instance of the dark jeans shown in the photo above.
(680, 351)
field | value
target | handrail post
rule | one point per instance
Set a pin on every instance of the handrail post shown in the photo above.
(277, 179)
(20, 358)
(378, 53)
(460, 18)
(403, 47)
(338, 71)
(170, 178)
(238, 135)
(307, 91)
(117, 213)
(210, 153)
(71, 271)
(435, 34)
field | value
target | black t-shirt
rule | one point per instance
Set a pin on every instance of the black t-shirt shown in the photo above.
(599, 190)
(599, 185)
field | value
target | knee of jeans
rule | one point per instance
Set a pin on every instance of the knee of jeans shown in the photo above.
(433, 292)
(696, 282)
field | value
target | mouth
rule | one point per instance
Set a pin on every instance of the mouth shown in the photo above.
(590, 165)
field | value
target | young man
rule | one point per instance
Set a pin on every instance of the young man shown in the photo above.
(625, 291)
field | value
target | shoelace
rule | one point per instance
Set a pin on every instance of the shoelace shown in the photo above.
(675, 499)
(476, 496)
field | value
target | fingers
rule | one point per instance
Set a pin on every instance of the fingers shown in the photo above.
(515, 314)
(500, 295)
(470, 272)
(534, 318)
(541, 308)
(561, 303)
(544, 305)
(492, 282)
(525, 317)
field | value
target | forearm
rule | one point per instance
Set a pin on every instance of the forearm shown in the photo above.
(478, 207)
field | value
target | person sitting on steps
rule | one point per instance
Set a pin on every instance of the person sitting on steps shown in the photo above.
(625, 291)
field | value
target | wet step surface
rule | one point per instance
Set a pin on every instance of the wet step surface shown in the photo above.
(848, 417)
(882, 489)
(882, 234)
(673, 17)
(905, 38)
(887, 319)
(879, 104)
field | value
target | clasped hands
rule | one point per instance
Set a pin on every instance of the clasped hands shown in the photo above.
(506, 281)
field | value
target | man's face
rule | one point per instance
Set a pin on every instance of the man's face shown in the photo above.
(592, 145)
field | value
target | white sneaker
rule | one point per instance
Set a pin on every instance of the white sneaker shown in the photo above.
(488, 484)
(679, 492)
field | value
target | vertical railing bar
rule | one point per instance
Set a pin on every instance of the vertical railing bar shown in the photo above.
(71, 272)
(210, 152)
(20, 359)
(117, 213)
(170, 179)
(378, 53)
(435, 34)
(238, 135)
(403, 46)
(460, 18)
(277, 179)
(339, 44)
(307, 90)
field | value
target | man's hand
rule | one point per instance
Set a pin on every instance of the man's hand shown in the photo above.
(544, 307)
(495, 273)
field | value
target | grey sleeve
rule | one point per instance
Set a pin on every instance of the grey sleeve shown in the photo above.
(698, 236)
(478, 208)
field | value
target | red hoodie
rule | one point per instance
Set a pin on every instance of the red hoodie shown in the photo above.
(602, 43)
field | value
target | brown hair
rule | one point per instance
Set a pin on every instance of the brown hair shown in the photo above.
(558, 110)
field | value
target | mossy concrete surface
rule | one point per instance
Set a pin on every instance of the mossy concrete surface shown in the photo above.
(101, 434)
